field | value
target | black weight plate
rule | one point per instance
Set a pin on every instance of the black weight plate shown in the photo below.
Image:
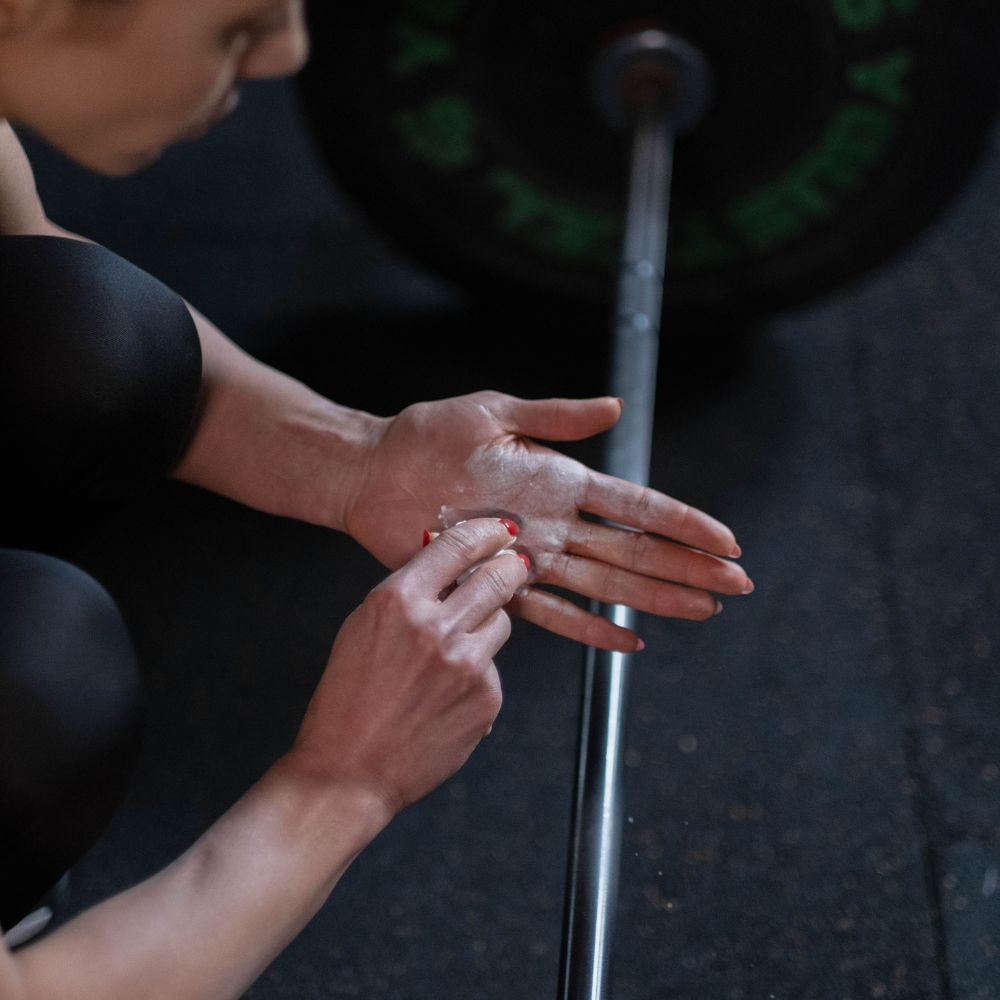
(838, 129)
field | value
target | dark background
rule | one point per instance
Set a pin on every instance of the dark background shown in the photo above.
(812, 778)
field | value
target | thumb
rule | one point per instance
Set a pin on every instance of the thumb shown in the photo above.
(561, 419)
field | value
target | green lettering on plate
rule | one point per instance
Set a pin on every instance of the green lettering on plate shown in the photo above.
(440, 133)
(443, 12)
(866, 15)
(851, 146)
(883, 79)
(417, 48)
(551, 225)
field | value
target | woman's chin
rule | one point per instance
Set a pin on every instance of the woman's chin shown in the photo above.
(121, 164)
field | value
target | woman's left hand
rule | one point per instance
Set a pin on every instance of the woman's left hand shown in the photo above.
(441, 462)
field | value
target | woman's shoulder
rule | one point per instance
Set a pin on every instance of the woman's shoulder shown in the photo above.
(21, 210)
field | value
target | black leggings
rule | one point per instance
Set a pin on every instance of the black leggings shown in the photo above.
(99, 377)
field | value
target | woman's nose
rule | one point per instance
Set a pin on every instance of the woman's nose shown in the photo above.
(279, 53)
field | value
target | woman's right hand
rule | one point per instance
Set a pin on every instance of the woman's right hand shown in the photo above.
(409, 690)
(410, 687)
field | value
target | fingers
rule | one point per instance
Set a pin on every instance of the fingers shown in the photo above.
(646, 509)
(489, 588)
(488, 639)
(494, 632)
(456, 550)
(555, 613)
(557, 419)
(615, 585)
(659, 558)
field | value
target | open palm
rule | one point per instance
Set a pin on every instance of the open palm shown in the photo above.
(441, 462)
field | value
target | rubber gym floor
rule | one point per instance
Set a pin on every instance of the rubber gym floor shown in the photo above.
(812, 778)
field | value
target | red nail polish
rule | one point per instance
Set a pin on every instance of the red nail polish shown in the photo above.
(427, 538)
(525, 560)
(510, 525)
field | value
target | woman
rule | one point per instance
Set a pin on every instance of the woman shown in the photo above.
(110, 381)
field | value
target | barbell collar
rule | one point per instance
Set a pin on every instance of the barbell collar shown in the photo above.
(649, 66)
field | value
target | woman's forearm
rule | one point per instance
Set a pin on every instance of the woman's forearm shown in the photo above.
(268, 441)
(206, 926)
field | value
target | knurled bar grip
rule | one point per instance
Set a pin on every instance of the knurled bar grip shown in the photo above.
(595, 834)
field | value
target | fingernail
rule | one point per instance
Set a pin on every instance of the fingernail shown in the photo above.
(737, 552)
(718, 608)
(748, 589)
(510, 525)
(639, 645)
(525, 560)
(427, 538)
(621, 402)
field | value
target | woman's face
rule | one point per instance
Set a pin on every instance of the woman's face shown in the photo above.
(112, 83)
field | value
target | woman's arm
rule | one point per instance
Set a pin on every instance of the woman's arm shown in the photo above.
(206, 926)
(409, 690)
(268, 441)
(271, 443)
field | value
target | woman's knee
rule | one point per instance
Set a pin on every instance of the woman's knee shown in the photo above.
(70, 715)
(70, 694)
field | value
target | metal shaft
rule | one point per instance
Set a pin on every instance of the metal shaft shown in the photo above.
(595, 844)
